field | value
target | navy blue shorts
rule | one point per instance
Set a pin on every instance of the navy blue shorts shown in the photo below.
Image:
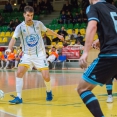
(100, 71)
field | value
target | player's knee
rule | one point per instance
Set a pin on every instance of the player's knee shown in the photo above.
(47, 79)
(20, 73)
(79, 90)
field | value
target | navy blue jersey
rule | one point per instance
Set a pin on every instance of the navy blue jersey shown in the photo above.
(106, 16)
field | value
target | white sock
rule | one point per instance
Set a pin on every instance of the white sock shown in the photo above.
(7, 63)
(16, 62)
(2, 64)
(48, 86)
(19, 86)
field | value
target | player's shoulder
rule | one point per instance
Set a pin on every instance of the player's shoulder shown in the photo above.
(102, 5)
(90, 8)
(37, 22)
(95, 6)
(20, 25)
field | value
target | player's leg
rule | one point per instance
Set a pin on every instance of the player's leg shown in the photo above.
(96, 74)
(41, 64)
(16, 62)
(89, 99)
(2, 64)
(46, 77)
(22, 68)
(50, 59)
(7, 64)
(109, 86)
(19, 85)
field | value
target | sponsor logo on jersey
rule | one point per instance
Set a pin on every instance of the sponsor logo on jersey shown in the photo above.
(32, 40)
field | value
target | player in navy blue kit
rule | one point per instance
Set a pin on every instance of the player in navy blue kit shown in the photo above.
(109, 84)
(102, 18)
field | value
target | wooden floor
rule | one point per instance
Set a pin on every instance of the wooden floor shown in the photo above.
(66, 102)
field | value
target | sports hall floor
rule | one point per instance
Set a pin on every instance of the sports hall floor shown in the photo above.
(66, 102)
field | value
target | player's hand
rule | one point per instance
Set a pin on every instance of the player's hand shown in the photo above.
(96, 44)
(83, 61)
(7, 51)
(61, 37)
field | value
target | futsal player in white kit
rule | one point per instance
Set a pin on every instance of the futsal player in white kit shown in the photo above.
(29, 32)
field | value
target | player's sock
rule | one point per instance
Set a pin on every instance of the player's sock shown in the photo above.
(48, 86)
(7, 64)
(92, 103)
(16, 62)
(2, 63)
(109, 89)
(19, 86)
(109, 86)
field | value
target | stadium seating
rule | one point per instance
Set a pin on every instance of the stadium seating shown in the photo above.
(50, 37)
(76, 30)
(12, 34)
(72, 42)
(5, 40)
(54, 21)
(53, 43)
(82, 31)
(56, 30)
(7, 34)
(2, 34)
(0, 40)
(61, 59)
(77, 26)
(60, 44)
(57, 26)
(70, 26)
(65, 26)
(69, 31)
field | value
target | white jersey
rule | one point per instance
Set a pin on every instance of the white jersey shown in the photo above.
(30, 36)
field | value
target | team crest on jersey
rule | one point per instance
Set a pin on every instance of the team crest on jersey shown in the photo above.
(32, 40)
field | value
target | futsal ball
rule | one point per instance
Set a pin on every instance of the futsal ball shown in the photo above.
(1, 94)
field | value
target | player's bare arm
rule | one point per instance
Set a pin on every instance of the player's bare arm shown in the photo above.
(55, 34)
(90, 32)
(11, 44)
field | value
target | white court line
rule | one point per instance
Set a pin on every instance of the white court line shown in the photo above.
(9, 113)
(24, 90)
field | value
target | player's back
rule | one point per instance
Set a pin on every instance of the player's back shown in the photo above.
(107, 26)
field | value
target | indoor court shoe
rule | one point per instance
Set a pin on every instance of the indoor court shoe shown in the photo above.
(14, 68)
(49, 96)
(16, 100)
(109, 99)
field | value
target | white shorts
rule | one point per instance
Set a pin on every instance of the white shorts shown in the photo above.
(30, 61)
(51, 58)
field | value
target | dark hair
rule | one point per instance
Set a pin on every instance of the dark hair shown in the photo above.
(28, 9)
(79, 33)
(54, 47)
